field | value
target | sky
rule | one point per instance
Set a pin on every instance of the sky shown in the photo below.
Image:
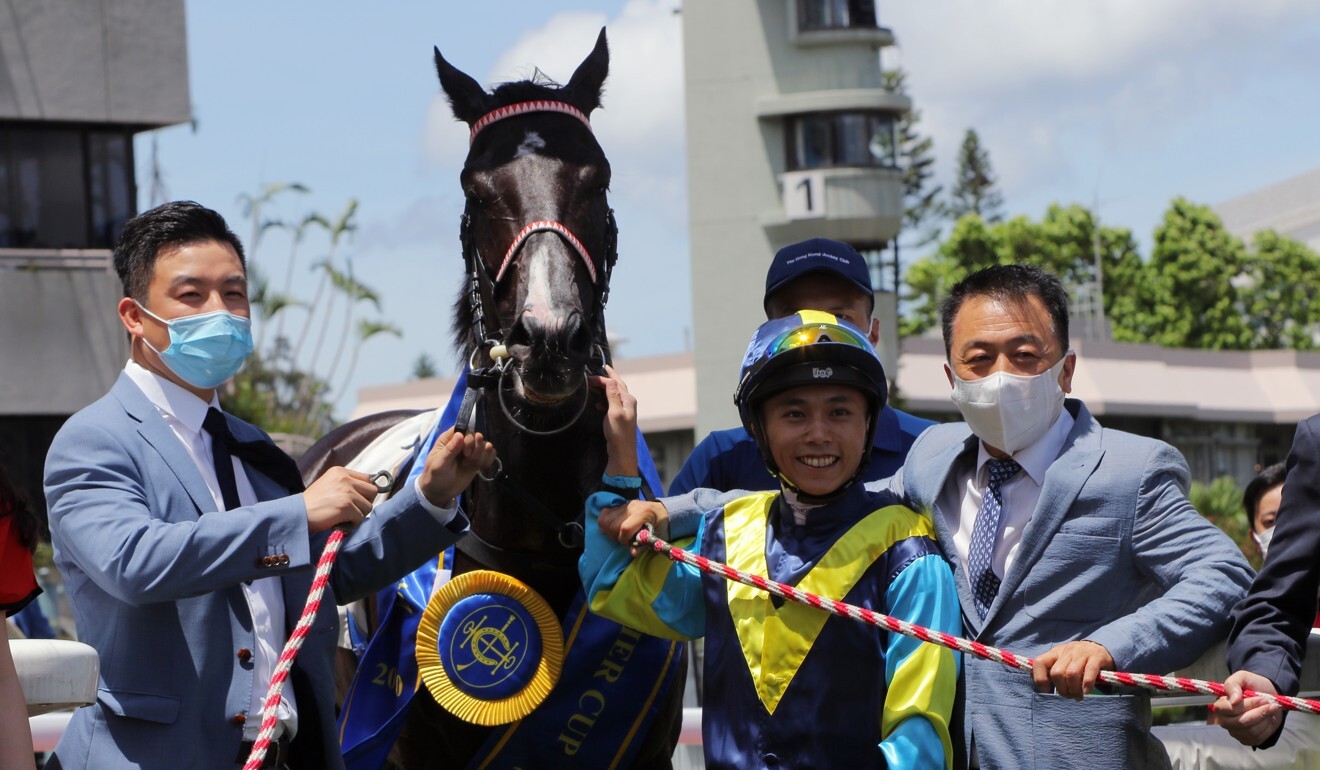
(1117, 104)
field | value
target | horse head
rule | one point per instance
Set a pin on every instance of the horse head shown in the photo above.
(538, 234)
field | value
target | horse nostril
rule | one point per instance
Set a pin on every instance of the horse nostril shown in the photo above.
(524, 332)
(577, 340)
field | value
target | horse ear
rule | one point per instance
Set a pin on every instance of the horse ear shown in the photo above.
(467, 98)
(584, 88)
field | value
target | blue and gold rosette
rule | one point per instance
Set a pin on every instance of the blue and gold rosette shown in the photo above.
(489, 648)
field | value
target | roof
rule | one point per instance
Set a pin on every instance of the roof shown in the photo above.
(1262, 386)
(1114, 378)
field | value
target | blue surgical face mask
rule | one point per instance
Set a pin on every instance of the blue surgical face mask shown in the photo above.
(205, 349)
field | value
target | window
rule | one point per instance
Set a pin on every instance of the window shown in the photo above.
(836, 14)
(64, 187)
(841, 139)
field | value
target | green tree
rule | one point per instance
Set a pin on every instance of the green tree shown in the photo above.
(1279, 294)
(424, 367)
(1066, 242)
(921, 198)
(975, 190)
(286, 385)
(1190, 299)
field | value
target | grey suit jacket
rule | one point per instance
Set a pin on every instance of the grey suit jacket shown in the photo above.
(154, 574)
(1114, 553)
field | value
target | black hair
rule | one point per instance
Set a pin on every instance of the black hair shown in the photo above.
(172, 224)
(1011, 283)
(1268, 478)
(14, 503)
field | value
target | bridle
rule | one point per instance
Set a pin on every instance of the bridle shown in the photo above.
(493, 339)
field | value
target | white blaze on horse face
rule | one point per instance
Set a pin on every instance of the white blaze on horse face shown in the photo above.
(540, 303)
(530, 144)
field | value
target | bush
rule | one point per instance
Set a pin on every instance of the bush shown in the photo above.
(1220, 501)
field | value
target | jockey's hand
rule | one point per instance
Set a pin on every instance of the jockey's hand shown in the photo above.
(622, 523)
(620, 423)
(1249, 720)
(339, 496)
(1071, 669)
(451, 464)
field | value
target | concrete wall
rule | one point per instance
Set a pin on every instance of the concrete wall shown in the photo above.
(94, 61)
(64, 345)
(746, 68)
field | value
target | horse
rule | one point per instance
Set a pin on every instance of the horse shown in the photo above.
(539, 245)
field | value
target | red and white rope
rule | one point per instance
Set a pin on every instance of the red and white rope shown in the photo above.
(880, 620)
(523, 108)
(285, 664)
(541, 225)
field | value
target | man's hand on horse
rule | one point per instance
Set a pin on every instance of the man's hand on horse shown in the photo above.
(620, 423)
(452, 463)
(1249, 720)
(622, 523)
(339, 496)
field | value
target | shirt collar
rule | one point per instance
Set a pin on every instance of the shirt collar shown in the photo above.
(169, 398)
(1037, 458)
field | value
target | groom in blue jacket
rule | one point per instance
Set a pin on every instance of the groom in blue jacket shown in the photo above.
(185, 537)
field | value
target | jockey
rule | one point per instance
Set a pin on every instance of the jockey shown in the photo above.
(787, 684)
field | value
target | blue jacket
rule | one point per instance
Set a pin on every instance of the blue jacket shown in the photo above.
(154, 576)
(1114, 553)
(729, 459)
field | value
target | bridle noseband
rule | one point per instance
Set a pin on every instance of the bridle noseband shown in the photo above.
(600, 280)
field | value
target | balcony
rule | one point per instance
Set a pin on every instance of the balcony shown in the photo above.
(829, 22)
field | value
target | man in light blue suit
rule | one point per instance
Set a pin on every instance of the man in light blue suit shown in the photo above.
(1071, 543)
(186, 558)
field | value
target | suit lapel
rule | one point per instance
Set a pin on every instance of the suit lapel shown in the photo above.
(1077, 460)
(154, 430)
(946, 460)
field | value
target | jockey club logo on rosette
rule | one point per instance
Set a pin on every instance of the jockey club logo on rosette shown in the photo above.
(489, 648)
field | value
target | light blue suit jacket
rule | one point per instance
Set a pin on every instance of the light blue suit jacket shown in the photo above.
(1114, 553)
(154, 574)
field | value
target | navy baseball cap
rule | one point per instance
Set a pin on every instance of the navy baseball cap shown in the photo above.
(817, 255)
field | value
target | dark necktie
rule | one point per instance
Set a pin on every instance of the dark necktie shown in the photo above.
(985, 533)
(263, 456)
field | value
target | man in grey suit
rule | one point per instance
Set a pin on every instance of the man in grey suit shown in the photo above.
(1070, 543)
(186, 558)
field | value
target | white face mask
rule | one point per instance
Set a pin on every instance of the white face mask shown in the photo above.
(1263, 540)
(1010, 412)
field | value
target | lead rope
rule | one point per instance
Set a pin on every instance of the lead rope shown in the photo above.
(645, 538)
(383, 481)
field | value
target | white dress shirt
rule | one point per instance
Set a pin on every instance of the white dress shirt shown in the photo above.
(184, 413)
(961, 497)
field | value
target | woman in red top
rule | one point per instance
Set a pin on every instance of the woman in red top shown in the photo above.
(18, 586)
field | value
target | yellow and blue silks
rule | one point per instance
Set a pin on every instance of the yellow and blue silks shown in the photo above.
(787, 680)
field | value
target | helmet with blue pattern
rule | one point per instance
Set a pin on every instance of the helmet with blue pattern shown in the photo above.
(808, 348)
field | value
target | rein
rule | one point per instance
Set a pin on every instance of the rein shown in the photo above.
(646, 539)
(383, 480)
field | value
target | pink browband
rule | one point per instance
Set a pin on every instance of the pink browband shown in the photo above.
(539, 226)
(522, 108)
